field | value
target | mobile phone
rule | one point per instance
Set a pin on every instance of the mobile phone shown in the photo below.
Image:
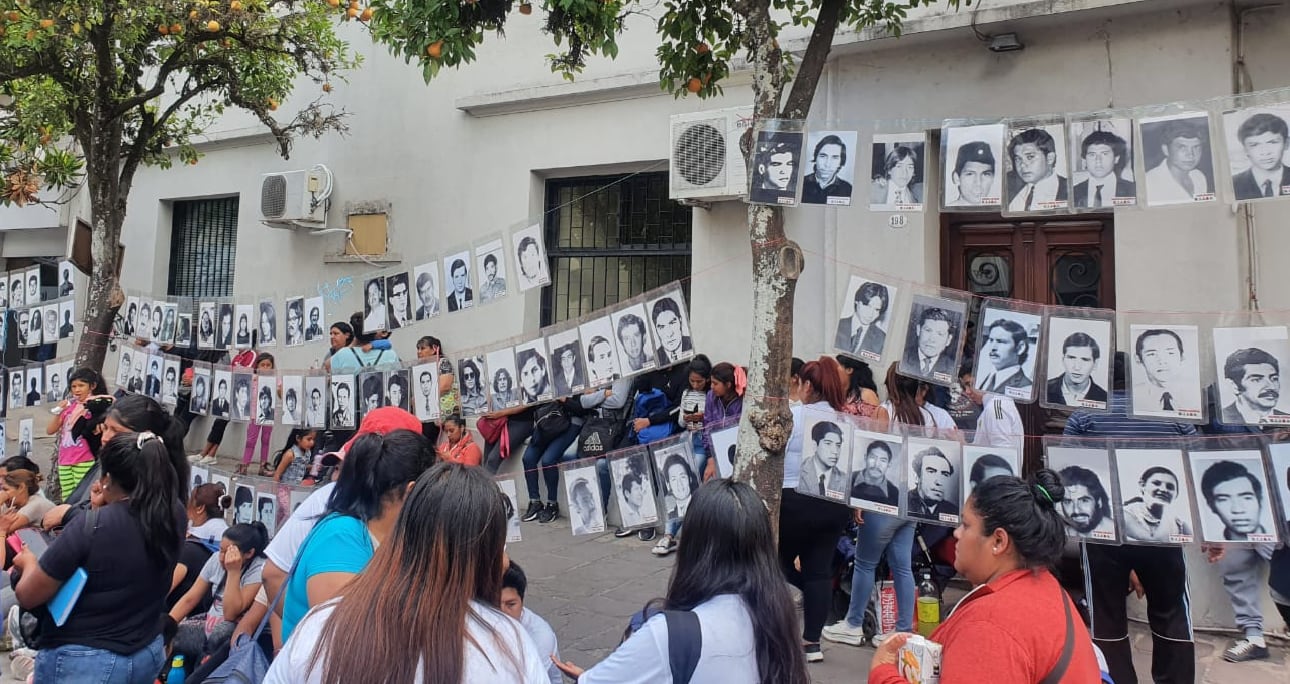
(34, 540)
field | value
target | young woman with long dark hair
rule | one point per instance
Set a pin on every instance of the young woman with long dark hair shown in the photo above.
(726, 573)
(128, 548)
(427, 605)
(809, 527)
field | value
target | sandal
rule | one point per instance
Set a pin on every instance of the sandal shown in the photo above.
(240, 470)
(265, 470)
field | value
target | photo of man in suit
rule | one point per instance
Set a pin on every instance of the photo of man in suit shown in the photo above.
(820, 474)
(1034, 181)
(1005, 347)
(1167, 383)
(932, 345)
(1255, 376)
(461, 297)
(823, 185)
(933, 480)
(427, 296)
(862, 331)
(775, 167)
(1080, 355)
(1264, 139)
(897, 183)
(1105, 155)
(673, 343)
(869, 480)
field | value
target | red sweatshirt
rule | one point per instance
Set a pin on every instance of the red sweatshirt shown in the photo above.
(1009, 631)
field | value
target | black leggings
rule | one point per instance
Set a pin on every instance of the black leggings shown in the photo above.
(808, 530)
(216, 435)
(519, 430)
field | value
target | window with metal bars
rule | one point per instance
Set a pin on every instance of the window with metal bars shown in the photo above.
(203, 247)
(610, 238)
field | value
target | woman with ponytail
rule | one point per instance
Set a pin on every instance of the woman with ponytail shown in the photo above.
(127, 545)
(375, 476)
(1017, 625)
(723, 404)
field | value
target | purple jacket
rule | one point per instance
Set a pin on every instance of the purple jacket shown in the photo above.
(715, 411)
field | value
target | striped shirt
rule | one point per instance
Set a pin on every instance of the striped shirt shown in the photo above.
(1116, 423)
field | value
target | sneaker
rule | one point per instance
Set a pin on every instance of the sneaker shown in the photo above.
(207, 461)
(22, 663)
(549, 512)
(623, 532)
(646, 534)
(195, 458)
(843, 633)
(1243, 650)
(664, 546)
(535, 509)
(813, 653)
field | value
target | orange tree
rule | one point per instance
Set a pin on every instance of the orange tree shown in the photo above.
(700, 42)
(91, 90)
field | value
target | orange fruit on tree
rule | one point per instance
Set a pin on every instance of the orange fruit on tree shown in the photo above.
(351, 12)
(526, 8)
(702, 48)
(235, 6)
(13, 16)
(435, 49)
(163, 29)
(192, 15)
(326, 87)
(366, 15)
(694, 85)
(272, 104)
(334, 3)
(46, 23)
(176, 29)
(212, 26)
(31, 34)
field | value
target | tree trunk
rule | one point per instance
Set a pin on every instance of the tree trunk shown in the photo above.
(104, 297)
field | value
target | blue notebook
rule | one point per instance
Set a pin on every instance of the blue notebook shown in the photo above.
(60, 607)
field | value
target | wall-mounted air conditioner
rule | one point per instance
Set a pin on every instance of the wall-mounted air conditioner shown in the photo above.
(296, 197)
(706, 161)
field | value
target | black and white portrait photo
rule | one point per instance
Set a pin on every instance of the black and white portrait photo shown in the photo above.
(1038, 176)
(397, 393)
(1007, 352)
(33, 286)
(723, 442)
(981, 463)
(974, 179)
(399, 304)
(266, 511)
(472, 385)
(1090, 503)
(674, 462)
(1279, 463)
(25, 427)
(876, 472)
(294, 336)
(568, 363)
(200, 402)
(633, 339)
(169, 382)
(529, 249)
(598, 342)
(1249, 364)
(374, 318)
(206, 331)
(315, 401)
(35, 324)
(67, 322)
(66, 287)
(897, 171)
(633, 485)
(152, 382)
(242, 336)
(933, 480)
(826, 454)
(4, 291)
(1079, 363)
(293, 400)
(56, 381)
(49, 319)
(222, 395)
(244, 504)
(243, 391)
(371, 391)
(425, 392)
(1157, 506)
(123, 367)
(1234, 502)
(461, 293)
(830, 171)
(1102, 164)
(777, 157)
(667, 315)
(224, 327)
(1177, 154)
(504, 392)
(933, 339)
(1165, 371)
(267, 323)
(513, 533)
(315, 313)
(425, 282)
(342, 403)
(1258, 149)
(533, 372)
(490, 264)
(183, 326)
(18, 298)
(582, 489)
(17, 397)
(198, 477)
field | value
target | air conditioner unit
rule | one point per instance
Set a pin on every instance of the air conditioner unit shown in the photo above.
(706, 160)
(295, 196)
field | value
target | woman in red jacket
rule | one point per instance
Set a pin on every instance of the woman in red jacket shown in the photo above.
(1016, 626)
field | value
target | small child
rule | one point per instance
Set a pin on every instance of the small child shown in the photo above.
(296, 457)
(232, 576)
(75, 458)
(264, 431)
(514, 584)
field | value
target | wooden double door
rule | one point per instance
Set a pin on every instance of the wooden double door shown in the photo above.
(1067, 261)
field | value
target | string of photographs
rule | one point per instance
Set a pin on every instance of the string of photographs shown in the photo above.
(637, 335)
(1061, 357)
(1235, 148)
(1117, 491)
(392, 299)
(37, 319)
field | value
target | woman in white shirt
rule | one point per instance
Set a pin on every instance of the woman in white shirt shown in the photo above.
(727, 574)
(434, 586)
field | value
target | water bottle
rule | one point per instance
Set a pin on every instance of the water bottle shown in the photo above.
(176, 674)
(929, 605)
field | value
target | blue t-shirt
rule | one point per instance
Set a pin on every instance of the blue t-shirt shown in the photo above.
(354, 359)
(338, 543)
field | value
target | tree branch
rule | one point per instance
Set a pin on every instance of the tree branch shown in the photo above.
(807, 80)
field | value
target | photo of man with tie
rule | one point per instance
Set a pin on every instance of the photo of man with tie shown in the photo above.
(1006, 360)
(1107, 158)
(1166, 371)
(1264, 139)
(862, 328)
(825, 462)
(932, 346)
(1036, 166)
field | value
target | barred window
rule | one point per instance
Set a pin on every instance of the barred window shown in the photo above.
(203, 248)
(611, 238)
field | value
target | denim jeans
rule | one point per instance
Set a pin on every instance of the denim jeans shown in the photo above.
(891, 535)
(75, 663)
(548, 454)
